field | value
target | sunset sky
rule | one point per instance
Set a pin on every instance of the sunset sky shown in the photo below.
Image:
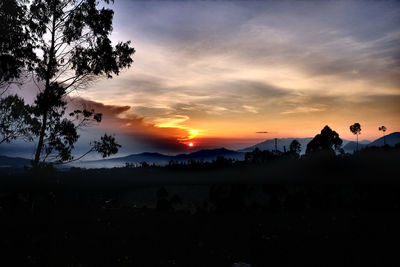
(233, 73)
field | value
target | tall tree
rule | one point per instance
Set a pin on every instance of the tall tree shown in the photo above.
(356, 129)
(383, 129)
(73, 48)
(328, 141)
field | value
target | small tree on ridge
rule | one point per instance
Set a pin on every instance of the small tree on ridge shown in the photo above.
(356, 129)
(383, 129)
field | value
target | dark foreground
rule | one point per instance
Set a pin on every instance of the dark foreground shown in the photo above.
(265, 225)
(129, 217)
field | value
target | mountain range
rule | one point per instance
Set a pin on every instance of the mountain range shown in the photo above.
(282, 144)
(348, 146)
(161, 159)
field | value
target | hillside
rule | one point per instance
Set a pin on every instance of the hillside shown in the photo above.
(391, 140)
(160, 159)
(348, 146)
(282, 143)
(351, 146)
(11, 162)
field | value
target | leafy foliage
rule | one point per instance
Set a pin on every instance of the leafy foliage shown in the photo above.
(355, 128)
(78, 51)
(326, 142)
(16, 48)
(382, 128)
(295, 147)
(16, 120)
(66, 45)
(107, 146)
(80, 48)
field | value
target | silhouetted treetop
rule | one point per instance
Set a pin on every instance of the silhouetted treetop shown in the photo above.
(79, 41)
(327, 141)
(383, 129)
(356, 129)
(295, 147)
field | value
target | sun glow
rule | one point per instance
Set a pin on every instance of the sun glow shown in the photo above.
(177, 121)
(190, 144)
(193, 133)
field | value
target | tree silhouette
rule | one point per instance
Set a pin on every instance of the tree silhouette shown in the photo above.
(16, 120)
(383, 129)
(72, 46)
(295, 147)
(356, 129)
(16, 57)
(326, 142)
(16, 49)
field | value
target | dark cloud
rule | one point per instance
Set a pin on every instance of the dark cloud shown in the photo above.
(343, 38)
(134, 134)
(81, 103)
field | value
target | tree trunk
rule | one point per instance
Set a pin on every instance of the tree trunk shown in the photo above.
(357, 142)
(42, 133)
(41, 140)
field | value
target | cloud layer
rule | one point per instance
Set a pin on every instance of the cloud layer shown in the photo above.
(229, 69)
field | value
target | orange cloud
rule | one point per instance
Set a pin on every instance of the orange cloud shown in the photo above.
(167, 134)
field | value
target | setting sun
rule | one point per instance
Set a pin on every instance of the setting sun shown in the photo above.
(190, 144)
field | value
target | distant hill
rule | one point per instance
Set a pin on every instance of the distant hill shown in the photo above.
(205, 155)
(391, 140)
(151, 158)
(146, 156)
(281, 144)
(348, 146)
(351, 146)
(160, 159)
(10, 162)
(210, 154)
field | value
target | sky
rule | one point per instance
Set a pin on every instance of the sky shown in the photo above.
(234, 73)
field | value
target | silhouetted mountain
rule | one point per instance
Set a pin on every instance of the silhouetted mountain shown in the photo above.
(205, 155)
(144, 157)
(281, 143)
(391, 140)
(351, 146)
(151, 158)
(160, 159)
(11, 162)
(210, 154)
